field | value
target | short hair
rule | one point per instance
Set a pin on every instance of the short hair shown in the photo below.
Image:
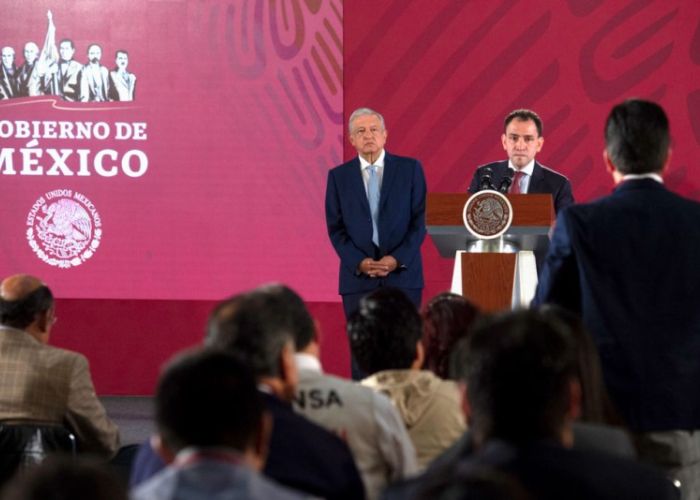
(94, 45)
(384, 331)
(470, 480)
(121, 51)
(288, 307)
(517, 367)
(208, 398)
(62, 477)
(364, 112)
(447, 318)
(637, 137)
(253, 328)
(524, 115)
(22, 312)
(64, 40)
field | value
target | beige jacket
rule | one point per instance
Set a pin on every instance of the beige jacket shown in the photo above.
(430, 407)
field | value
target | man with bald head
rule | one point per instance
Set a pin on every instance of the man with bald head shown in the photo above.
(44, 384)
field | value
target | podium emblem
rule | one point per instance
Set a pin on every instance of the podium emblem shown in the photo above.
(487, 214)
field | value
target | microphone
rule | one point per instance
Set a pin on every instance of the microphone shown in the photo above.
(507, 181)
(486, 179)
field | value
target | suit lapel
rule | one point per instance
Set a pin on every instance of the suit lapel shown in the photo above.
(536, 180)
(387, 179)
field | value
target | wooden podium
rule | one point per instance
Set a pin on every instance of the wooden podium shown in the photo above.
(493, 274)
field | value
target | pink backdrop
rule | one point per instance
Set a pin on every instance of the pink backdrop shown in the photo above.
(245, 104)
(241, 106)
(444, 74)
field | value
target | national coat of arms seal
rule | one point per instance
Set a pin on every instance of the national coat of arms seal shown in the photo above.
(487, 214)
(64, 228)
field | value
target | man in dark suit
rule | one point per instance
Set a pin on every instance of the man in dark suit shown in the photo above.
(522, 140)
(628, 264)
(302, 455)
(522, 395)
(213, 432)
(375, 212)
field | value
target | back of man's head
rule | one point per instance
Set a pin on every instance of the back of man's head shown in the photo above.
(384, 331)
(637, 137)
(518, 368)
(23, 299)
(63, 477)
(254, 327)
(208, 399)
(289, 309)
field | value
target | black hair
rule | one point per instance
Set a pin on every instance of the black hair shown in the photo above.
(23, 312)
(637, 137)
(208, 398)
(62, 477)
(517, 367)
(384, 331)
(524, 115)
(253, 327)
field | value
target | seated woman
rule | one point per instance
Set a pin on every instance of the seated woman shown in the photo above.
(447, 318)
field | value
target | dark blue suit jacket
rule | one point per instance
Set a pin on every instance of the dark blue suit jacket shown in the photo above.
(301, 455)
(629, 264)
(401, 223)
(544, 181)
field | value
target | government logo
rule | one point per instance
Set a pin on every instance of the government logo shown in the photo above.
(487, 214)
(64, 228)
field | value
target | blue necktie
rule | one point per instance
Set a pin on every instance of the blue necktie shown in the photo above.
(373, 198)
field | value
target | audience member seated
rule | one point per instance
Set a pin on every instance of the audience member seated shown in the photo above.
(447, 318)
(43, 384)
(366, 419)
(212, 431)
(385, 337)
(522, 394)
(597, 428)
(302, 455)
(475, 482)
(62, 477)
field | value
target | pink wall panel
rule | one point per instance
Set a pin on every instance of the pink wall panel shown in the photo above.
(128, 341)
(444, 74)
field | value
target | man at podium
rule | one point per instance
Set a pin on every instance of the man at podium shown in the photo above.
(375, 213)
(522, 139)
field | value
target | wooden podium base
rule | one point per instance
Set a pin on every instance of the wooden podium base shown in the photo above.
(495, 281)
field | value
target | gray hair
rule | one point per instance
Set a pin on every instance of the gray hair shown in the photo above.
(363, 112)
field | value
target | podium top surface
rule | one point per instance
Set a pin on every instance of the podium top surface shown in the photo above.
(529, 210)
(533, 215)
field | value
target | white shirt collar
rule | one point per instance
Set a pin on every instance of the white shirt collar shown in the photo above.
(307, 362)
(379, 162)
(527, 169)
(651, 175)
